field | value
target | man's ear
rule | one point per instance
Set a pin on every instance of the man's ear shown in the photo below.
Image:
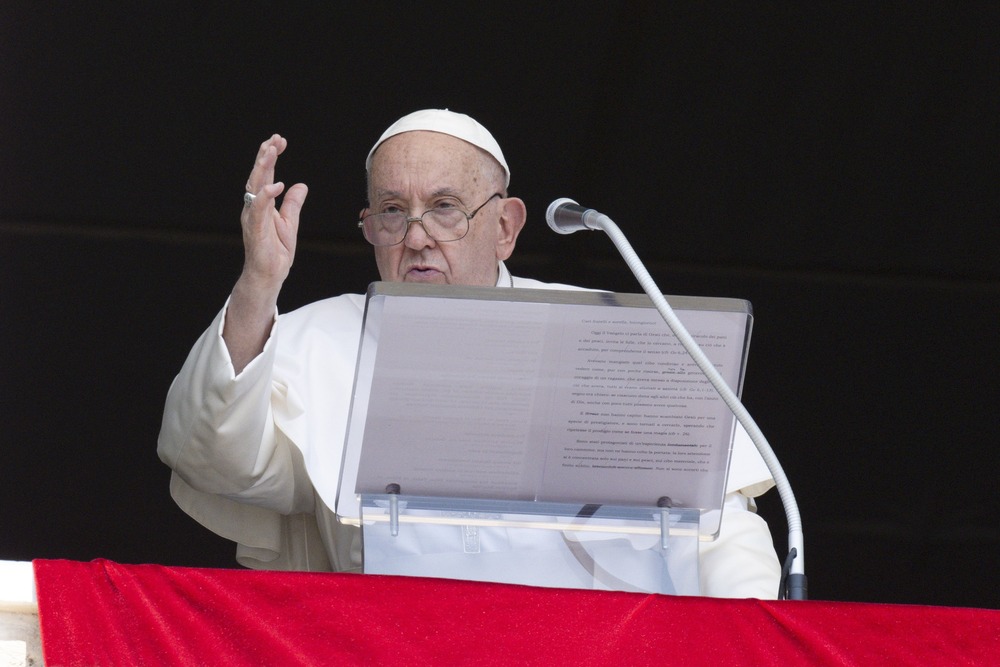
(512, 217)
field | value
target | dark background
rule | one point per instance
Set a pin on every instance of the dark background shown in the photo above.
(837, 166)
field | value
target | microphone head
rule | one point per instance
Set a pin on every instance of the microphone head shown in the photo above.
(565, 216)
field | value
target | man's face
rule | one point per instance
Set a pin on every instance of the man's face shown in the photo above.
(417, 171)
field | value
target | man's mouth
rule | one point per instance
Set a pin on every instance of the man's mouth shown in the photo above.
(422, 273)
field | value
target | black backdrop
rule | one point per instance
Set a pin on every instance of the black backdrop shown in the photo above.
(835, 166)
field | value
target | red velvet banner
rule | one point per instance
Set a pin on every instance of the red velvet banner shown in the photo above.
(104, 613)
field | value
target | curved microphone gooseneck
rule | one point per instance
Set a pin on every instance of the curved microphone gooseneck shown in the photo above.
(565, 216)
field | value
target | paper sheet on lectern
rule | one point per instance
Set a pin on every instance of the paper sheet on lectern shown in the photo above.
(555, 396)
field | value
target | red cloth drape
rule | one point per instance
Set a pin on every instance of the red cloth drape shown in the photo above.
(105, 613)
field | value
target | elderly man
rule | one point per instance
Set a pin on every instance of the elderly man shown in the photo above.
(259, 391)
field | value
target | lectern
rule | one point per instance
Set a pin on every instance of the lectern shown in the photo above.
(543, 437)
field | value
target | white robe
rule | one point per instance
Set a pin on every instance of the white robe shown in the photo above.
(254, 454)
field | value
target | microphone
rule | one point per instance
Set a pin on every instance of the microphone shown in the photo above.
(565, 216)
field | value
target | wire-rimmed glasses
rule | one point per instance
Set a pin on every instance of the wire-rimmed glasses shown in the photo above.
(442, 223)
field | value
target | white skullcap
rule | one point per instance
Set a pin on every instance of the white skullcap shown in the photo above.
(457, 125)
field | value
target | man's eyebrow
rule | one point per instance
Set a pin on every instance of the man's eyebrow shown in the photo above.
(440, 192)
(447, 192)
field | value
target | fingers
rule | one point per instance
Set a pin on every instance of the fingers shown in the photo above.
(261, 182)
(269, 233)
(267, 157)
(263, 199)
(263, 222)
(291, 205)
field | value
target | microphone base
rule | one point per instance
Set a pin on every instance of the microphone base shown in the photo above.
(796, 588)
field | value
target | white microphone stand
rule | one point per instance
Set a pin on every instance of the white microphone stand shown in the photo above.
(793, 583)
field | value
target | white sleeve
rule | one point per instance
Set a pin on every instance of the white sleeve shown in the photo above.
(741, 562)
(748, 473)
(218, 431)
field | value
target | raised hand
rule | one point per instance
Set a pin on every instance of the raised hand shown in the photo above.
(269, 236)
(269, 233)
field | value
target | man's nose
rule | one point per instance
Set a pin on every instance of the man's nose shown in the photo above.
(416, 236)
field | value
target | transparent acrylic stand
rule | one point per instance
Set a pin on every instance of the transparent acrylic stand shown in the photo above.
(640, 549)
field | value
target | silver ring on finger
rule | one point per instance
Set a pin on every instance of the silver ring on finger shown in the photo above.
(248, 199)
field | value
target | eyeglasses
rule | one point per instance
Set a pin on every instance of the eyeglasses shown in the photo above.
(442, 223)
